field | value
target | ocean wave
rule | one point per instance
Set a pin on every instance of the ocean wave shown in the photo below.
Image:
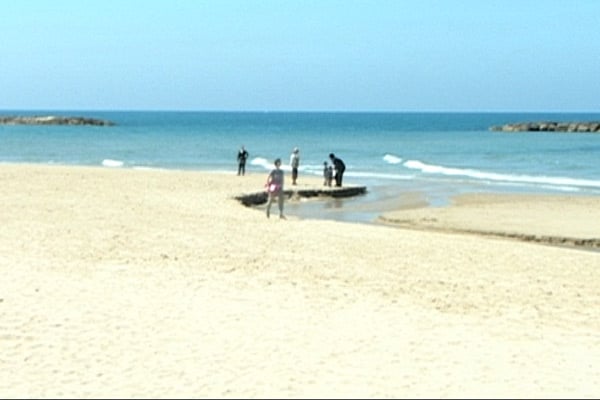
(112, 163)
(551, 181)
(268, 164)
(392, 159)
(377, 175)
(261, 162)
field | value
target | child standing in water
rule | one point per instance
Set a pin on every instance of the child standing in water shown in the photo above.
(327, 174)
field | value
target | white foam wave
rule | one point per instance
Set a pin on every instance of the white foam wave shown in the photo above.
(270, 164)
(493, 176)
(262, 162)
(315, 169)
(377, 175)
(112, 163)
(392, 159)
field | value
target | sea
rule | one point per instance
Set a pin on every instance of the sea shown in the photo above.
(395, 154)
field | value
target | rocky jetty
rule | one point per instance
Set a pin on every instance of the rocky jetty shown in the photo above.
(52, 120)
(549, 126)
(255, 199)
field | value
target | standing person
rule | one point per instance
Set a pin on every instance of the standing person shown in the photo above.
(275, 188)
(242, 157)
(340, 167)
(294, 163)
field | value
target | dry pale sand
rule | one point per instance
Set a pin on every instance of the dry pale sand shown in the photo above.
(125, 283)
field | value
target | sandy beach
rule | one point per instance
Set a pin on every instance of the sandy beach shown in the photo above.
(159, 284)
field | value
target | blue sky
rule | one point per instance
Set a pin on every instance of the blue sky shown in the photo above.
(421, 55)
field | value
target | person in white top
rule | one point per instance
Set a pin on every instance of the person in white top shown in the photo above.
(295, 163)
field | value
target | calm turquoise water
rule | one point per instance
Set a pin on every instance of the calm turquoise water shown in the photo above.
(439, 153)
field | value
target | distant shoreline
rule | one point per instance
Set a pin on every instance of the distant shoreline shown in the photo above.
(53, 120)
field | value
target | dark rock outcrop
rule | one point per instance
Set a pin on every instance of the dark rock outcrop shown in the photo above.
(255, 199)
(53, 120)
(549, 126)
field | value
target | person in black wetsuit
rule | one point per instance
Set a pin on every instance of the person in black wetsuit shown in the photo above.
(339, 168)
(241, 158)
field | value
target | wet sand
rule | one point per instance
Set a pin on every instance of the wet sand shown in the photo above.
(547, 219)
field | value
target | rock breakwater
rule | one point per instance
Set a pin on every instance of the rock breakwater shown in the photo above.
(53, 120)
(258, 198)
(549, 126)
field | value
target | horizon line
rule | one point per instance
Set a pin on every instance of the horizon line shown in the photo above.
(325, 111)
